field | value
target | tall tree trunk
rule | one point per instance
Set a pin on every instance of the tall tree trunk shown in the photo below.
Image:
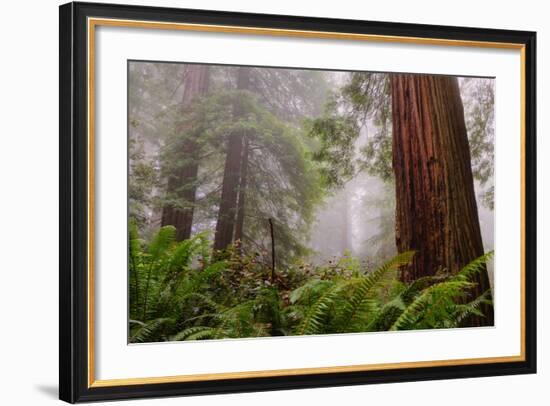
(225, 226)
(239, 227)
(436, 210)
(182, 184)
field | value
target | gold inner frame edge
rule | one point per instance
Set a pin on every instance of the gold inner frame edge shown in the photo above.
(91, 25)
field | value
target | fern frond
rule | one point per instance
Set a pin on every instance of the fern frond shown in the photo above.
(414, 288)
(366, 284)
(190, 332)
(146, 331)
(471, 308)
(204, 298)
(309, 289)
(161, 242)
(209, 272)
(415, 310)
(386, 316)
(185, 251)
(312, 323)
(476, 266)
(134, 245)
(204, 334)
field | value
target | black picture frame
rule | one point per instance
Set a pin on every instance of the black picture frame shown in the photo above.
(73, 283)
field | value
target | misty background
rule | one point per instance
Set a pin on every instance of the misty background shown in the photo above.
(355, 219)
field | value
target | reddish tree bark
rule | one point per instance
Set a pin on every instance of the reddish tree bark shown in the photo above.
(436, 210)
(182, 184)
(227, 214)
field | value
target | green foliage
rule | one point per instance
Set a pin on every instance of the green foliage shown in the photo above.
(365, 97)
(368, 96)
(177, 292)
(361, 302)
(364, 102)
(300, 143)
(479, 98)
(282, 182)
(160, 274)
(475, 267)
(290, 94)
(143, 177)
(314, 316)
(153, 101)
(335, 152)
(440, 305)
(167, 138)
(146, 332)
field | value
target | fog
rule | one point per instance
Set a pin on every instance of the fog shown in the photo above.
(359, 218)
(355, 219)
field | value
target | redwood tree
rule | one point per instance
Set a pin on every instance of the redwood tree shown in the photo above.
(239, 226)
(436, 210)
(227, 215)
(182, 187)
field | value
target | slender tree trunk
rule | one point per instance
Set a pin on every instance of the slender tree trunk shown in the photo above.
(242, 193)
(436, 210)
(182, 184)
(225, 226)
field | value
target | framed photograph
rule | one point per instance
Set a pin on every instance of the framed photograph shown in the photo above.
(257, 202)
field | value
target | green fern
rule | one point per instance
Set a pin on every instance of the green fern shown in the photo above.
(312, 322)
(471, 308)
(384, 318)
(161, 242)
(192, 333)
(184, 252)
(414, 312)
(359, 301)
(208, 332)
(476, 266)
(146, 331)
(178, 293)
(158, 247)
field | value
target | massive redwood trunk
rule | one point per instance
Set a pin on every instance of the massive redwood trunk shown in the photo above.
(182, 184)
(436, 211)
(227, 215)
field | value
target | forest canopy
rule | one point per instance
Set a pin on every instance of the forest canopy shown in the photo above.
(271, 201)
